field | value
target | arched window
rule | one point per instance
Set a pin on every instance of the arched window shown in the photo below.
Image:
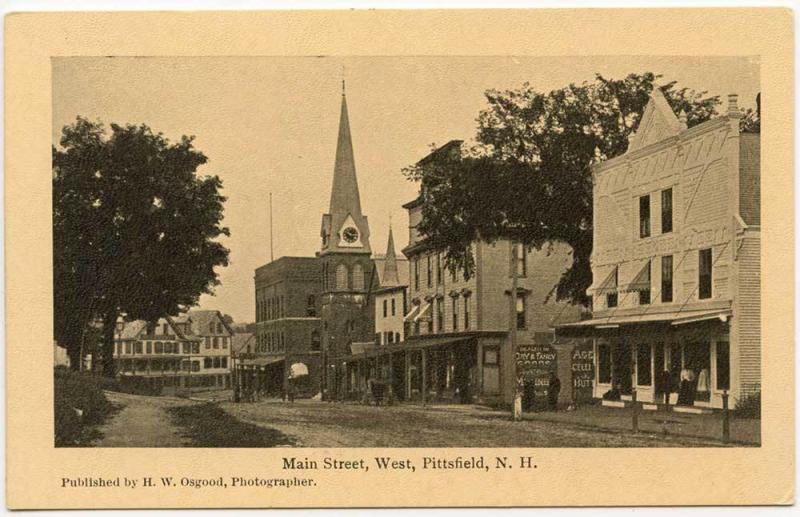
(315, 340)
(341, 277)
(358, 278)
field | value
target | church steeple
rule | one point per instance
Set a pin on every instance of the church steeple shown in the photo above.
(390, 275)
(344, 194)
(344, 227)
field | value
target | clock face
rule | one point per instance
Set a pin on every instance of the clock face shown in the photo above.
(350, 234)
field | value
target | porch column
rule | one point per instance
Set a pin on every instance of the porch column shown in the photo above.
(424, 376)
(407, 373)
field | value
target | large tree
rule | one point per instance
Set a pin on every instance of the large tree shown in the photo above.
(135, 230)
(529, 176)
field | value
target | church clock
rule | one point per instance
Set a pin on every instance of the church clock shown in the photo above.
(350, 234)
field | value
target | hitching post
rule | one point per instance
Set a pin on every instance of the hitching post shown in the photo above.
(635, 412)
(726, 422)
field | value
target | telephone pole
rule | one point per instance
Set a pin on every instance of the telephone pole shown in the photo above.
(517, 402)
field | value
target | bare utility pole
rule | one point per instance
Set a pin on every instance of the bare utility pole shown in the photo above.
(517, 403)
(271, 255)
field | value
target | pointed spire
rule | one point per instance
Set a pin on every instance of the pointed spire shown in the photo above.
(390, 275)
(344, 194)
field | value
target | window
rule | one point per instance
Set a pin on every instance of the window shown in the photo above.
(666, 210)
(416, 273)
(159, 347)
(396, 337)
(311, 306)
(315, 341)
(455, 313)
(644, 294)
(219, 328)
(165, 329)
(128, 348)
(491, 356)
(341, 277)
(137, 347)
(439, 277)
(612, 298)
(644, 376)
(704, 288)
(520, 259)
(224, 362)
(390, 337)
(358, 278)
(604, 364)
(466, 312)
(216, 342)
(207, 362)
(644, 216)
(211, 327)
(385, 308)
(394, 306)
(666, 279)
(723, 365)
(520, 311)
(224, 343)
(195, 348)
(440, 315)
(430, 272)
(149, 347)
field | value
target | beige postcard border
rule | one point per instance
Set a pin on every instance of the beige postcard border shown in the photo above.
(574, 477)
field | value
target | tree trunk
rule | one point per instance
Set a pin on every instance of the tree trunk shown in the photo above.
(74, 354)
(109, 326)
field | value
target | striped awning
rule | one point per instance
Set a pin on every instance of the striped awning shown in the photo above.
(413, 312)
(424, 313)
(609, 285)
(641, 281)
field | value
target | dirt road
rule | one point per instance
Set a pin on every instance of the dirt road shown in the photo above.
(142, 422)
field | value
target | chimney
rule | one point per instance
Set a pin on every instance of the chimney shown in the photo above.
(733, 106)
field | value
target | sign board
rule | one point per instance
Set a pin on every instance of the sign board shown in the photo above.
(534, 363)
(583, 370)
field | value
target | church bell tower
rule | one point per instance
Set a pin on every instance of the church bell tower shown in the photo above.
(345, 256)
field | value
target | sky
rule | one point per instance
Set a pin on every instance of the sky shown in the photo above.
(269, 125)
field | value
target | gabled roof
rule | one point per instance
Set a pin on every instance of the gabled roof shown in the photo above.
(201, 319)
(658, 122)
(132, 329)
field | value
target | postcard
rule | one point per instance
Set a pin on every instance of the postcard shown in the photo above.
(341, 259)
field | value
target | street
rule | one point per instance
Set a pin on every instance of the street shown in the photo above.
(154, 422)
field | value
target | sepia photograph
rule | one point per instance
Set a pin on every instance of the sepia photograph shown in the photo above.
(403, 251)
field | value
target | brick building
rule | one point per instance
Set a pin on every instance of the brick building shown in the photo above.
(676, 261)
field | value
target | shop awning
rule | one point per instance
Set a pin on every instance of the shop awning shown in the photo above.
(609, 285)
(673, 318)
(261, 361)
(641, 281)
(423, 313)
(413, 312)
(435, 341)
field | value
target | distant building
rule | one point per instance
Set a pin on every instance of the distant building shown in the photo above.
(174, 354)
(390, 298)
(676, 261)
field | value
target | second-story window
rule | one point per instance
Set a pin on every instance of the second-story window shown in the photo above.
(644, 216)
(439, 276)
(705, 279)
(439, 315)
(520, 311)
(385, 308)
(666, 279)
(466, 312)
(416, 273)
(666, 210)
(430, 272)
(518, 255)
(455, 313)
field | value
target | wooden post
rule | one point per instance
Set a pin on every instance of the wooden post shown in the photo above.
(517, 392)
(635, 412)
(407, 373)
(726, 422)
(424, 376)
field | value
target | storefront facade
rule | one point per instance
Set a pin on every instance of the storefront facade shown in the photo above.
(676, 263)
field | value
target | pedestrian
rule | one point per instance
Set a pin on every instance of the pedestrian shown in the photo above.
(686, 389)
(290, 386)
(553, 389)
(665, 385)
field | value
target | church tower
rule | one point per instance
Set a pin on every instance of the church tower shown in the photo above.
(345, 256)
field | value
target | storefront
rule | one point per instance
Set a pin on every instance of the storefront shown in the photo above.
(675, 358)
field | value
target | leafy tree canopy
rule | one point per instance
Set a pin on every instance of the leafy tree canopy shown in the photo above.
(529, 176)
(134, 228)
